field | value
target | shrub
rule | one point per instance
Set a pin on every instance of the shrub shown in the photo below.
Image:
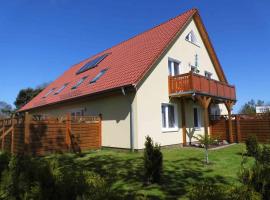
(252, 146)
(208, 190)
(258, 177)
(4, 160)
(153, 161)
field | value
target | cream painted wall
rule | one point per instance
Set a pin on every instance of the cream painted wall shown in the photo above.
(115, 112)
(154, 91)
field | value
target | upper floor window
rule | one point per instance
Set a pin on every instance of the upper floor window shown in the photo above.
(192, 38)
(101, 73)
(79, 82)
(49, 92)
(169, 117)
(174, 67)
(61, 89)
(208, 74)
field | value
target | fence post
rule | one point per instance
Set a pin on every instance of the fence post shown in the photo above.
(12, 135)
(3, 138)
(238, 130)
(27, 119)
(100, 129)
(68, 127)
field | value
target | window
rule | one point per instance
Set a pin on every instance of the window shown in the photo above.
(208, 74)
(173, 66)
(169, 117)
(48, 93)
(98, 76)
(61, 89)
(196, 117)
(79, 82)
(92, 63)
(192, 38)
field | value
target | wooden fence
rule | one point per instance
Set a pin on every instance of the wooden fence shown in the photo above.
(39, 136)
(243, 126)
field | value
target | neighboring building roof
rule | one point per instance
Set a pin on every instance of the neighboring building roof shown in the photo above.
(126, 63)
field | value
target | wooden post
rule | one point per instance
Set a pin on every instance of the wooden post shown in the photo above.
(68, 127)
(229, 105)
(27, 120)
(12, 135)
(100, 130)
(3, 138)
(205, 102)
(239, 136)
(183, 117)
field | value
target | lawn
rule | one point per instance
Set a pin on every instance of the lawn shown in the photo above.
(182, 168)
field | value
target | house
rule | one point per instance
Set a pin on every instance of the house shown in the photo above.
(164, 82)
(262, 109)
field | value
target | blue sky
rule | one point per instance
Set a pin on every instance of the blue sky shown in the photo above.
(39, 40)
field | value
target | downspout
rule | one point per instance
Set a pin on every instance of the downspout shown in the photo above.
(131, 121)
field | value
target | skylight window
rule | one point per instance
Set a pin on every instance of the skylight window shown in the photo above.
(92, 63)
(79, 82)
(61, 89)
(192, 38)
(101, 73)
(48, 93)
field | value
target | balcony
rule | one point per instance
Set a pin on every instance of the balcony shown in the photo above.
(190, 83)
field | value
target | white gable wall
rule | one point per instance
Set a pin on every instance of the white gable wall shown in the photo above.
(154, 91)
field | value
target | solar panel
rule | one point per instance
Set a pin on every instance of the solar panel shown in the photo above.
(61, 89)
(79, 82)
(92, 63)
(98, 76)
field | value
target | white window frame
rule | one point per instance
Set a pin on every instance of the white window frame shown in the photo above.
(191, 37)
(170, 68)
(168, 129)
(199, 117)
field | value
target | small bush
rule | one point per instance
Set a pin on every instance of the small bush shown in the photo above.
(153, 162)
(208, 190)
(4, 160)
(252, 146)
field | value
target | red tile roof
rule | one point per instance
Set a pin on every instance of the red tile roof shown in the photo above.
(127, 63)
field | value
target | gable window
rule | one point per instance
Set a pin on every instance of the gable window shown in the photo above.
(207, 74)
(196, 117)
(192, 38)
(48, 93)
(174, 67)
(61, 89)
(79, 82)
(101, 73)
(169, 117)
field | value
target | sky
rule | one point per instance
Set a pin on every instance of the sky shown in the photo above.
(39, 40)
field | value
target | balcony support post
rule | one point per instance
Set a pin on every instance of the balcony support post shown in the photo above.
(205, 102)
(229, 105)
(183, 118)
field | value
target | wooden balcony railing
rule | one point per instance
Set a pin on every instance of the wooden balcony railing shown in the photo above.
(194, 83)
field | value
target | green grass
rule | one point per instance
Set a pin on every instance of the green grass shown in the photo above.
(182, 168)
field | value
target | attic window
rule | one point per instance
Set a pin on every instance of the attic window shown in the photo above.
(79, 82)
(192, 38)
(92, 63)
(61, 89)
(48, 93)
(101, 73)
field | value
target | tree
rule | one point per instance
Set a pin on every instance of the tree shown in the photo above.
(206, 141)
(26, 95)
(5, 109)
(250, 107)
